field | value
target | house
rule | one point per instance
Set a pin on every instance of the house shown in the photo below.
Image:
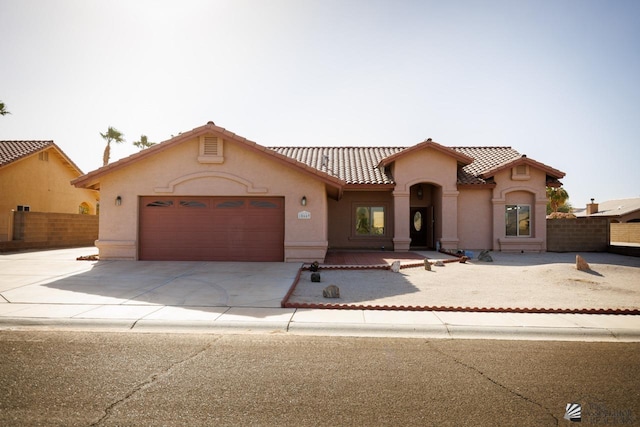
(209, 194)
(619, 210)
(36, 176)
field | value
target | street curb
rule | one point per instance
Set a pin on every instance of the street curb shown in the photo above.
(66, 323)
(516, 333)
(205, 326)
(432, 331)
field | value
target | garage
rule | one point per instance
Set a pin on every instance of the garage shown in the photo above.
(185, 228)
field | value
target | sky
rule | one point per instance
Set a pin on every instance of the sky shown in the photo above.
(557, 80)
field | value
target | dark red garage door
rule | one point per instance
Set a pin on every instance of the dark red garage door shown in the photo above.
(211, 228)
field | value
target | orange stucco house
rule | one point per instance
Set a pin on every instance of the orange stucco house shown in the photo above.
(35, 176)
(209, 194)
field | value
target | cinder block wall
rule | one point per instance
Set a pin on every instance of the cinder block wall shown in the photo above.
(578, 235)
(41, 230)
(625, 232)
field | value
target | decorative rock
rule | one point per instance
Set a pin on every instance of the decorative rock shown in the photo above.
(427, 265)
(314, 266)
(395, 267)
(315, 277)
(439, 263)
(484, 256)
(331, 291)
(464, 259)
(581, 264)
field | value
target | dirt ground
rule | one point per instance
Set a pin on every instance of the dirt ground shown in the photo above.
(548, 280)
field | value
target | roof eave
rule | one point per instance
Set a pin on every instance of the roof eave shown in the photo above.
(479, 186)
(92, 179)
(460, 157)
(369, 187)
(554, 173)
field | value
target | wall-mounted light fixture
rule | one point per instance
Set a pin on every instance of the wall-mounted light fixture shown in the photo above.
(118, 201)
(303, 201)
(420, 193)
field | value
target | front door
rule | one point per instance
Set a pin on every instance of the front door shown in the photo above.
(418, 224)
(422, 225)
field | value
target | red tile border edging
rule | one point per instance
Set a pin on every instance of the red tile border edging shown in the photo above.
(334, 306)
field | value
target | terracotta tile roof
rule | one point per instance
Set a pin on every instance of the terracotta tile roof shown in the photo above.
(359, 165)
(484, 158)
(337, 166)
(11, 151)
(353, 165)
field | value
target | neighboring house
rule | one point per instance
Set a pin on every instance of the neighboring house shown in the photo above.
(620, 210)
(209, 194)
(36, 176)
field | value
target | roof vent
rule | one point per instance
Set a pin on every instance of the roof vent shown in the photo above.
(524, 156)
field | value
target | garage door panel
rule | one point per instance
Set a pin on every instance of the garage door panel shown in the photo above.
(212, 228)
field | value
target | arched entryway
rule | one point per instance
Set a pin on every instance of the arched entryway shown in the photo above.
(424, 219)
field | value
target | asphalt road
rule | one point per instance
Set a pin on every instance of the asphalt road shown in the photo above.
(129, 379)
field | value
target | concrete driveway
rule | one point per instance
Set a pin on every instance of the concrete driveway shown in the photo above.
(54, 283)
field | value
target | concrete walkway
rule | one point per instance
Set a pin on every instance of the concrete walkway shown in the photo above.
(52, 290)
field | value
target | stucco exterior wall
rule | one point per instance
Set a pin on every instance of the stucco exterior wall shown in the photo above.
(177, 171)
(633, 216)
(475, 220)
(530, 191)
(342, 220)
(43, 185)
(428, 166)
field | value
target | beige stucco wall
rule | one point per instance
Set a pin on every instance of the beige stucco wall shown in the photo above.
(531, 191)
(44, 186)
(475, 219)
(176, 171)
(342, 220)
(428, 166)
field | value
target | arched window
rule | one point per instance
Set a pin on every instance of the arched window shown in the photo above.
(84, 208)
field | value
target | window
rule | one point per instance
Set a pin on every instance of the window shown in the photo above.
(160, 204)
(370, 221)
(192, 204)
(23, 208)
(518, 220)
(84, 209)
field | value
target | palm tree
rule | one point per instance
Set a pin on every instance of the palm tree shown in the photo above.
(3, 110)
(112, 135)
(557, 197)
(143, 143)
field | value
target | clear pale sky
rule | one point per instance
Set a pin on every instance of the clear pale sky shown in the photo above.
(558, 80)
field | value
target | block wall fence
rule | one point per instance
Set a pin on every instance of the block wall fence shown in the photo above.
(44, 230)
(625, 232)
(578, 235)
